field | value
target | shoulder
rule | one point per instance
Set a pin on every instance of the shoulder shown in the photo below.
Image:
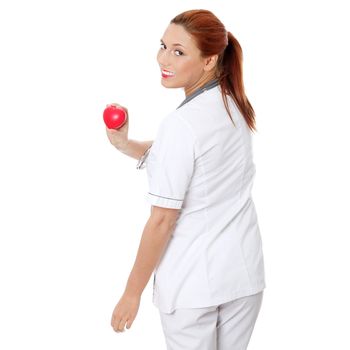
(177, 122)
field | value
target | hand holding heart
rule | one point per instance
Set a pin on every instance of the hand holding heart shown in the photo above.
(113, 115)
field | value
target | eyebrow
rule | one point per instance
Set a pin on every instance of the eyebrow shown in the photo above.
(176, 44)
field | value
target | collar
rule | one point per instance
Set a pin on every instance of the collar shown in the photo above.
(209, 85)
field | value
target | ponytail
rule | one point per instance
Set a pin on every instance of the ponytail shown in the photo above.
(231, 80)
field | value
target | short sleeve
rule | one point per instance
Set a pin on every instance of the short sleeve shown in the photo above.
(170, 163)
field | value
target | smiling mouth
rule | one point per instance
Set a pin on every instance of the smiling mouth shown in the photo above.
(167, 74)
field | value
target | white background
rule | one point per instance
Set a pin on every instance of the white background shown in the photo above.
(73, 208)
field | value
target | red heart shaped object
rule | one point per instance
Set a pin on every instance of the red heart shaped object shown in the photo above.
(114, 117)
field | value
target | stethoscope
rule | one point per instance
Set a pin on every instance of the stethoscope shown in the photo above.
(209, 85)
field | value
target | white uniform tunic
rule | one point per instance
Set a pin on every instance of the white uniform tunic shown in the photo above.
(202, 163)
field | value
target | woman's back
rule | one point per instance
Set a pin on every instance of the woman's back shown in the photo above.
(223, 150)
(203, 164)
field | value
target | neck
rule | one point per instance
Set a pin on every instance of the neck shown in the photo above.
(201, 82)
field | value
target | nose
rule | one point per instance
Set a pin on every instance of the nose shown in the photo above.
(163, 58)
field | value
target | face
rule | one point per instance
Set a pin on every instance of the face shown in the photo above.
(180, 62)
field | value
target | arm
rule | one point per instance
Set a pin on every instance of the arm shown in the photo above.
(154, 241)
(155, 237)
(134, 149)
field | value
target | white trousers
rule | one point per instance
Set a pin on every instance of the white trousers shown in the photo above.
(227, 326)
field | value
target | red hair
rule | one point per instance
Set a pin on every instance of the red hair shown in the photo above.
(212, 38)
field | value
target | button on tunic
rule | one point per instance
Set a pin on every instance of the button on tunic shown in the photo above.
(202, 164)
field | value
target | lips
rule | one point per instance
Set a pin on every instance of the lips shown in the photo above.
(167, 73)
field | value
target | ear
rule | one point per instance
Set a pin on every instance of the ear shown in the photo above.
(210, 62)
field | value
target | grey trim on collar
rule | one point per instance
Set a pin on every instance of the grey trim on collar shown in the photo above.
(209, 85)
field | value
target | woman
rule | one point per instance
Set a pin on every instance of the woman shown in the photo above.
(202, 239)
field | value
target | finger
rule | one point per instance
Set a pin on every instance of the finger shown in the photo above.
(114, 322)
(122, 323)
(112, 131)
(118, 105)
(129, 323)
(116, 326)
(115, 104)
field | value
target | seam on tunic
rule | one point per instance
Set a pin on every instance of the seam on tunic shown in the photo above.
(204, 172)
(245, 162)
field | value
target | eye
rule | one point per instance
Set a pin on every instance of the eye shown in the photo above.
(180, 52)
